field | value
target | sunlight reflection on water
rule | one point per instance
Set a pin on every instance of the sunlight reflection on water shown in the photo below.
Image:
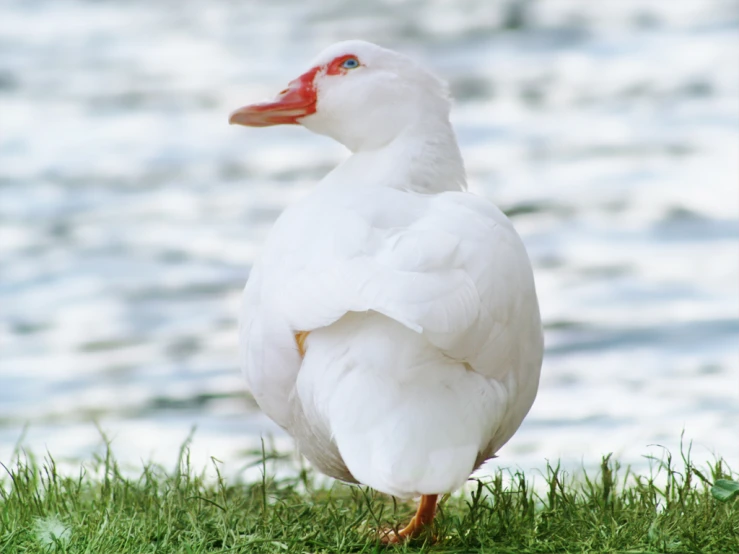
(130, 211)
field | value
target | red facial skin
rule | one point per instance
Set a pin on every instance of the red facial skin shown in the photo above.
(334, 67)
(298, 100)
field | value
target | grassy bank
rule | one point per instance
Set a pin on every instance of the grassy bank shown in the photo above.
(678, 509)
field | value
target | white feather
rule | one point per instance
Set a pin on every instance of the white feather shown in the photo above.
(425, 340)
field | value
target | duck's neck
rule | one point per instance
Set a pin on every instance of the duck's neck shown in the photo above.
(424, 158)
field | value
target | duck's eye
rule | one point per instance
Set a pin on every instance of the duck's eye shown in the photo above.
(350, 63)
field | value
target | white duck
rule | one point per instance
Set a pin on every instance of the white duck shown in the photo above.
(391, 325)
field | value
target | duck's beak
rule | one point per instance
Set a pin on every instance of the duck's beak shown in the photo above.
(295, 102)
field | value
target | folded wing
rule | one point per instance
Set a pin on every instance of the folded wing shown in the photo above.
(449, 266)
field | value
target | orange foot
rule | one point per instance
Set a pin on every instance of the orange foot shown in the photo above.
(423, 519)
(300, 337)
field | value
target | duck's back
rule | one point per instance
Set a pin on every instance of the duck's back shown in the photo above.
(424, 345)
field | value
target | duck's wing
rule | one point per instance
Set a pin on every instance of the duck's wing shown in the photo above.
(449, 266)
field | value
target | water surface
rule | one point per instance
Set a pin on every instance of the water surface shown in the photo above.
(130, 212)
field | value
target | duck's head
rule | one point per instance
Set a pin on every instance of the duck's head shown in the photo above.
(356, 92)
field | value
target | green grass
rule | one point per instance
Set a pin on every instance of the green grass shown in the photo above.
(101, 510)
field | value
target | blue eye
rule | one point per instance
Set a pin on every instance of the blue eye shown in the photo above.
(350, 63)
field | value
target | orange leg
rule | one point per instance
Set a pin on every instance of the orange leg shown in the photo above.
(423, 519)
(300, 337)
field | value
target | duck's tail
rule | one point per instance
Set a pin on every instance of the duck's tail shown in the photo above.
(404, 419)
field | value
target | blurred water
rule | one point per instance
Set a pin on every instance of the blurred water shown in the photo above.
(130, 211)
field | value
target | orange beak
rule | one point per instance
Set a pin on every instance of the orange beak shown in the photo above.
(295, 102)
